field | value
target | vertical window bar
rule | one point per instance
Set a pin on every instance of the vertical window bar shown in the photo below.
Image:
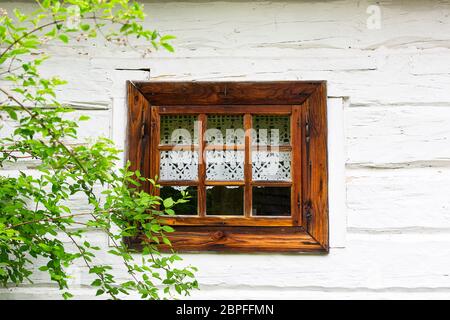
(248, 165)
(154, 142)
(296, 142)
(305, 173)
(201, 191)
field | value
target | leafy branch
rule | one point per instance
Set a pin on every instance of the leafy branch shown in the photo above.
(34, 214)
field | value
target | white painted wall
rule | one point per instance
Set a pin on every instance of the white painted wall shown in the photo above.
(390, 224)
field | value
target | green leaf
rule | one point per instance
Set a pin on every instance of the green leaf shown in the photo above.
(167, 241)
(168, 229)
(155, 228)
(168, 203)
(67, 295)
(168, 47)
(20, 16)
(167, 37)
(125, 27)
(64, 38)
(169, 212)
(12, 114)
(32, 43)
(52, 33)
(96, 283)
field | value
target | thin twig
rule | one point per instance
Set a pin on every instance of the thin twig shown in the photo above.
(27, 34)
(48, 219)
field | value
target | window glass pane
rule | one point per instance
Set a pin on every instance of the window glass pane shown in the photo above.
(225, 129)
(271, 201)
(224, 165)
(178, 165)
(222, 200)
(188, 208)
(271, 130)
(271, 166)
(178, 130)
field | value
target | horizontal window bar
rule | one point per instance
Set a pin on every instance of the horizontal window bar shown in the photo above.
(225, 147)
(226, 109)
(281, 148)
(172, 147)
(224, 183)
(272, 183)
(178, 183)
(227, 221)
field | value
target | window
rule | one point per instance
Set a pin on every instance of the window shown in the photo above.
(252, 155)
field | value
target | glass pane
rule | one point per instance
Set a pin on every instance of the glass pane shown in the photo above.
(225, 129)
(178, 165)
(271, 130)
(188, 208)
(271, 201)
(222, 200)
(271, 166)
(224, 165)
(178, 130)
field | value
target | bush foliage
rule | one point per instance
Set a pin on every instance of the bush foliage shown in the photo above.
(37, 229)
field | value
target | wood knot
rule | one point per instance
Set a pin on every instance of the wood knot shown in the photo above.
(217, 235)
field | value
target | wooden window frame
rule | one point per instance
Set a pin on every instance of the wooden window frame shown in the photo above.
(304, 101)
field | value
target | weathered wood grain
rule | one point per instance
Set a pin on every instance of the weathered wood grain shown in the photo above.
(201, 189)
(296, 170)
(229, 221)
(383, 136)
(224, 93)
(317, 164)
(139, 120)
(398, 200)
(248, 191)
(226, 109)
(241, 239)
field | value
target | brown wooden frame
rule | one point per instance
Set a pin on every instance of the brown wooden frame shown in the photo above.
(305, 101)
